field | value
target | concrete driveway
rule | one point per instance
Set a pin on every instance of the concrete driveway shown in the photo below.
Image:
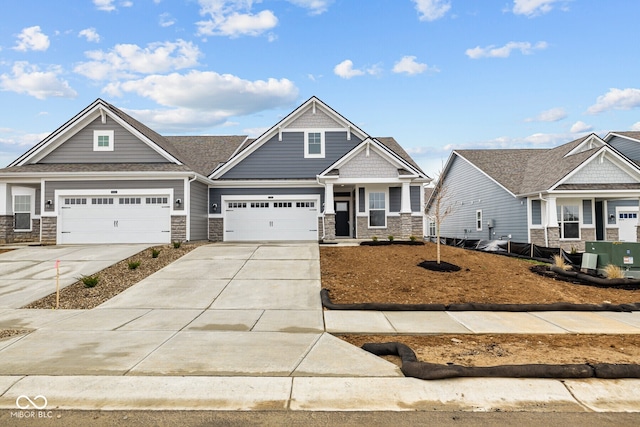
(28, 273)
(223, 309)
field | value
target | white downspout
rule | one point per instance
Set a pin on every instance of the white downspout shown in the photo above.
(546, 221)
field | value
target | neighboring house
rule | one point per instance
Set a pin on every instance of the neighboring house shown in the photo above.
(585, 190)
(104, 177)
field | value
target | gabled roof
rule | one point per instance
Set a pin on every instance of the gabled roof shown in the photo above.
(626, 134)
(204, 153)
(529, 171)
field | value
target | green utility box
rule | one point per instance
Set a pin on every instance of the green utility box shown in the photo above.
(625, 255)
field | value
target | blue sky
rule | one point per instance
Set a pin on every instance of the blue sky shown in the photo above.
(435, 74)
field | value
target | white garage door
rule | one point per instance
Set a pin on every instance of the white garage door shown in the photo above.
(250, 220)
(114, 219)
(627, 223)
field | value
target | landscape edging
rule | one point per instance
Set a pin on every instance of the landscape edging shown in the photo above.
(411, 367)
(471, 306)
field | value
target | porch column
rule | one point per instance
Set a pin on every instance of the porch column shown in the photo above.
(328, 198)
(405, 205)
(552, 212)
(3, 199)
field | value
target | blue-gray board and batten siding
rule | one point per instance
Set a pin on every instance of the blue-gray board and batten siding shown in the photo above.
(508, 213)
(127, 148)
(629, 148)
(215, 194)
(395, 199)
(114, 185)
(285, 159)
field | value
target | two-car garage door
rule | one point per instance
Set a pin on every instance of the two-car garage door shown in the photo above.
(114, 219)
(256, 219)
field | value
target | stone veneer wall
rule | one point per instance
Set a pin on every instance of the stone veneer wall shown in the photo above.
(400, 227)
(178, 228)
(49, 230)
(612, 234)
(7, 235)
(329, 226)
(537, 236)
(216, 231)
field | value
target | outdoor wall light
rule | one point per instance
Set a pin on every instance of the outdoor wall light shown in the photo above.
(612, 217)
(49, 202)
(178, 202)
(214, 206)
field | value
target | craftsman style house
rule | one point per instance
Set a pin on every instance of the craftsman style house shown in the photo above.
(105, 177)
(585, 190)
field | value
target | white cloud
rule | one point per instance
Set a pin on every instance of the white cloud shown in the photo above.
(552, 115)
(233, 18)
(580, 127)
(409, 65)
(204, 98)
(32, 38)
(128, 60)
(20, 139)
(533, 8)
(166, 20)
(616, 99)
(525, 48)
(28, 79)
(316, 7)
(346, 71)
(635, 126)
(105, 5)
(90, 34)
(431, 10)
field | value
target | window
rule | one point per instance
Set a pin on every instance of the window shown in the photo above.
(479, 220)
(130, 201)
(282, 204)
(314, 145)
(377, 210)
(569, 221)
(156, 200)
(75, 201)
(103, 140)
(305, 204)
(431, 227)
(102, 201)
(259, 204)
(22, 212)
(237, 205)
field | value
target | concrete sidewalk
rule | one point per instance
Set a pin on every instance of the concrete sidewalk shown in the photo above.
(241, 327)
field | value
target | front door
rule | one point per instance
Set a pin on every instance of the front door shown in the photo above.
(342, 219)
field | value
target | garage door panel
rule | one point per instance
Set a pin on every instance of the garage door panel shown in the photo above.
(271, 220)
(111, 220)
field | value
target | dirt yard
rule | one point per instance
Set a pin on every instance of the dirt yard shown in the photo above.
(390, 274)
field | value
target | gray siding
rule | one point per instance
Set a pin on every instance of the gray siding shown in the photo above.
(395, 199)
(199, 222)
(470, 190)
(587, 212)
(613, 204)
(285, 159)
(415, 192)
(627, 147)
(215, 194)
(176, 184)
(127, 148)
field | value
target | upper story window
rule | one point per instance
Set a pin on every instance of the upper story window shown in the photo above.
(314, 144)
(103, 140)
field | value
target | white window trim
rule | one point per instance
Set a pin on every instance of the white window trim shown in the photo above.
(479, 220)
(306, 144)
(386, 207)
(572, 202)
(24, 191)
(99, 133)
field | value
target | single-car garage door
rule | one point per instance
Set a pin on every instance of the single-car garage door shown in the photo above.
(292, 219)
(114, 219)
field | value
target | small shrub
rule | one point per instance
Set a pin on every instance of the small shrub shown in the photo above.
(613, 272)
(413, 238)
(155, 253)
(390, 238)
(89, 281)
(558, 261)
(574, 250)
(133, 265)
(177, 244)
(374, 238)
